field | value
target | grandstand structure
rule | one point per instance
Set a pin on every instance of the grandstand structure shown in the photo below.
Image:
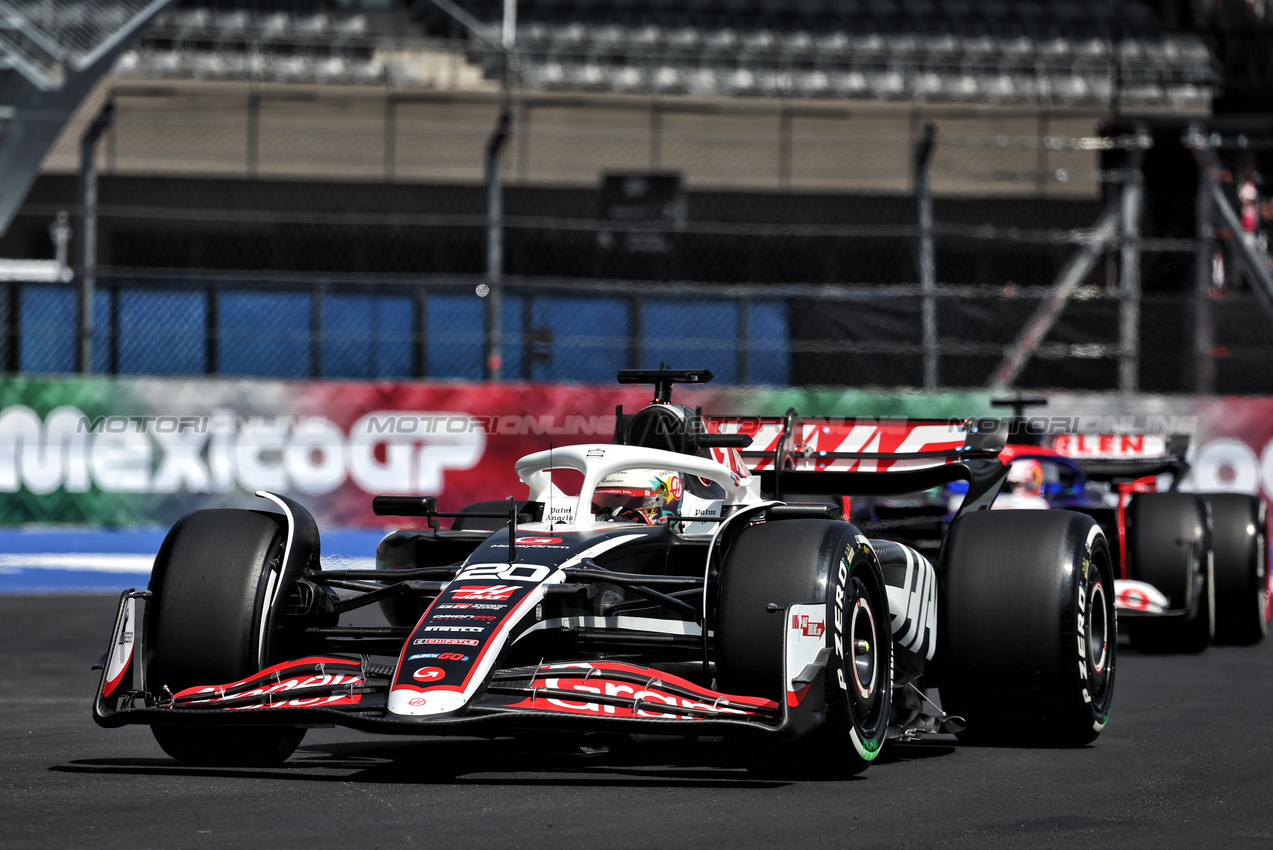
(52, 54)
(957, 50)
(1066, 52)
(302, 189)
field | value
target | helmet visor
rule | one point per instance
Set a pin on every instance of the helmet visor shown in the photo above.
(612, 500)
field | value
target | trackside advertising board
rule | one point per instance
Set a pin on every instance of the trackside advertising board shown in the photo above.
(146, 451)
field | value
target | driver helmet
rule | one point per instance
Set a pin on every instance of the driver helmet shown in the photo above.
(646, 496)
(1026, 475)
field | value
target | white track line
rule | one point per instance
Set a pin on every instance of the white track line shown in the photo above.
(125, 563)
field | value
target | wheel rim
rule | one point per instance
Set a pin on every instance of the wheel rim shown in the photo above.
(1097, 638)
(866, 660)
(862, 629)
(1263, 584)
(1263, 579)
(1097, 630)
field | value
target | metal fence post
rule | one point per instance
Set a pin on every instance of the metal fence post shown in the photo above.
(1204, 372)
(1129, 272)
(88, 234)
(927, 263)
(505, 41)
(495, 240)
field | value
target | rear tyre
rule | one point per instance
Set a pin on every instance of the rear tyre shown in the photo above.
(1169, 546)
(1027, 643)
(211, 621)
(802, 561)
(1239, 560)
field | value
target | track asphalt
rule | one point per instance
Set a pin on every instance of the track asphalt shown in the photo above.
(1187, 760)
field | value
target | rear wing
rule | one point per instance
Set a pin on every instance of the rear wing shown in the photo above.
(1112, 457)
(865, 456)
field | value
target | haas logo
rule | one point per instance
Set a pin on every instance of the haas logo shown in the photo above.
(496, 592)
(429, 674)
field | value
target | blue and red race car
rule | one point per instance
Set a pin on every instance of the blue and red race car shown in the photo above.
(1192, 568)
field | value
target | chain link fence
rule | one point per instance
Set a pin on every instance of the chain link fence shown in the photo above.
(341, 232)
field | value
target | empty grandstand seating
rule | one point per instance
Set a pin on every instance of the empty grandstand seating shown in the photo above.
(1065, 51)
(202, 42)
(1059, 51)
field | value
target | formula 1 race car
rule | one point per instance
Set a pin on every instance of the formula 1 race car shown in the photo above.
(1191, 566)
(657, 585)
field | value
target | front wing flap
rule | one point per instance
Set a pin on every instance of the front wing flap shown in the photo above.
(584, 695)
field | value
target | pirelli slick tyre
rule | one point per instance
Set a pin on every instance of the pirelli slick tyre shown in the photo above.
(777, 564)
(1239, 550)
(1169, 546)
(1026, 631)
(210, 621)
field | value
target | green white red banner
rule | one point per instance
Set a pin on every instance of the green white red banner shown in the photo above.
(145, 451)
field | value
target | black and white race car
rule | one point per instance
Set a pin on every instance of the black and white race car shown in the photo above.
(650, 586)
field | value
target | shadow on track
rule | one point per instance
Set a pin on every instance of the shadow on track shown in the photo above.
(514, 762)
(464, 762)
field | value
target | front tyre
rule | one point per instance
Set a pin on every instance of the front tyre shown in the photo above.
(229, 746)
(1027, 644)
(777, 564)
(211, 620)
(858, 700)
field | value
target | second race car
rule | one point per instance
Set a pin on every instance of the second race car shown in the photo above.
(1192, 567)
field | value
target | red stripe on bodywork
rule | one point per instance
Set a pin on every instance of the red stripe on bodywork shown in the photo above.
(1148, 484)
(655, 700)
(797, 696)
(111, 685)
(343, 665)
